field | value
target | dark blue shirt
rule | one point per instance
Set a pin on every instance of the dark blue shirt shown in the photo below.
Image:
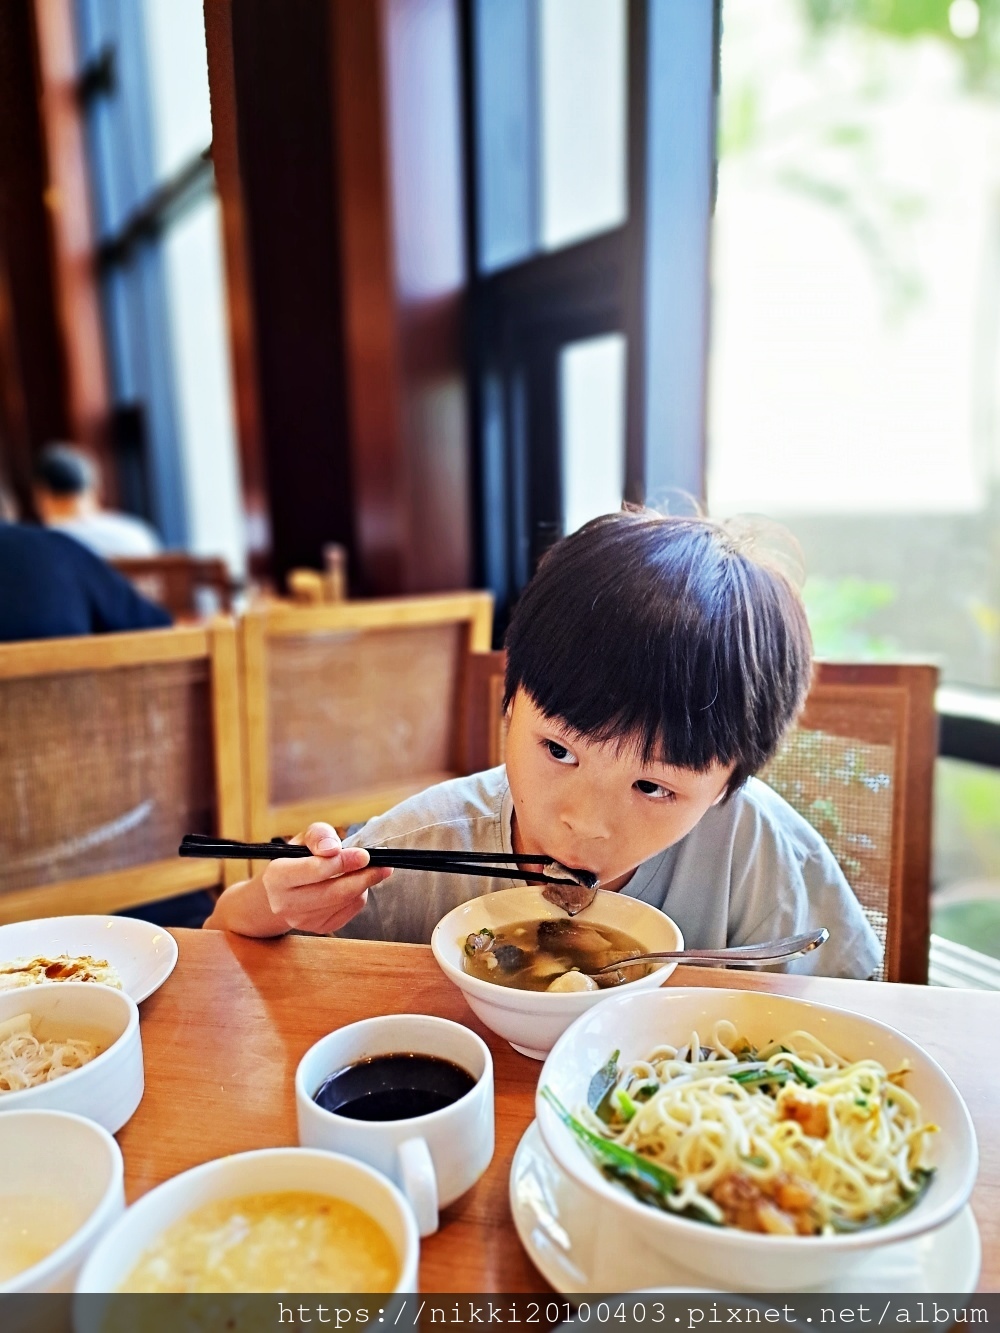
(52, 586)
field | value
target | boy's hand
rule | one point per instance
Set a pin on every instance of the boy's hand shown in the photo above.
(323, 892)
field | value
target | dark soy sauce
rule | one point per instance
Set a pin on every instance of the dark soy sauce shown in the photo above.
(394, 1087)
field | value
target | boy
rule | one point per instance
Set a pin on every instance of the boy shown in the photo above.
(653, 666)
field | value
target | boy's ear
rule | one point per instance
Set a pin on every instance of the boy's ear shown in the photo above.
(721, 796)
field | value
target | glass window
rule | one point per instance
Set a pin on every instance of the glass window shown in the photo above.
(583, 119)
(206, 434)
(175, 52)
(506, 116)
(856, 343)
(854, 377)
(551, 85)
(149, 128)
(592, 400)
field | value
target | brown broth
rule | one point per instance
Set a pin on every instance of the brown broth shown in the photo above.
(530, 955)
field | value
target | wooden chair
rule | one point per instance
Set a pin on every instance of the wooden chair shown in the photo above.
(484, 730)
(351, 707)
(859, 766)
(185, 585)
(111, 748)
(309, 587)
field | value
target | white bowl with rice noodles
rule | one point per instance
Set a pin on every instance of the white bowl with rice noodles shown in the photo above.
(511, 922)
(71, 1046)
(761, 1141)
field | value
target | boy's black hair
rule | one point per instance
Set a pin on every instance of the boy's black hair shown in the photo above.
(665, 633)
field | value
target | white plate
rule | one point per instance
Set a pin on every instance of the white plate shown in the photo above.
(559, 1226)
(142, 954)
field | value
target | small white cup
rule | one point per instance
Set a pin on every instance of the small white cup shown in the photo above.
(433, 1158)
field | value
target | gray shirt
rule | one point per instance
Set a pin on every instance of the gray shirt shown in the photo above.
(752, 869)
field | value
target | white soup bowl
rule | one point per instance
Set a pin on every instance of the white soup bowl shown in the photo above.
(532, 1020)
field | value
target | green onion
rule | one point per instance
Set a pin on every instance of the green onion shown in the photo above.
(750, 1077)
(803, 1075)
(639, 1173)
(627, 1108)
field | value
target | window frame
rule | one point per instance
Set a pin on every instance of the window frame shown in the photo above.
(646, 278)
(130, 259)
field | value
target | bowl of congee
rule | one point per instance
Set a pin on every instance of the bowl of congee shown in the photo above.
(274, 1220)
(525, 965)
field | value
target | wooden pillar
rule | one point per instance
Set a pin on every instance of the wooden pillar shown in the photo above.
(67, 198)
(239, 286)
(369, 281)
(274, 80)
(33, 373)
(423, 79)
(338, 154)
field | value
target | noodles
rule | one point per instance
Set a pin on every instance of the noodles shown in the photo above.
(25, 1061)
(791, 1139)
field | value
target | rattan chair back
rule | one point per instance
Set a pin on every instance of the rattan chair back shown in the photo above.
(351, 707)
(111, 748)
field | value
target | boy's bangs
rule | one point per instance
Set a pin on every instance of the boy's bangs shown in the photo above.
(665, 716)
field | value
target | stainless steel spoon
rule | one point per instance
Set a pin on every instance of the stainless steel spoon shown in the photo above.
(742, 955)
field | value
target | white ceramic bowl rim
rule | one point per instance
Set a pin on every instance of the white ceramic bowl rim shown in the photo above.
(177, 1184)
(923, 1217)
(9, 1100)
(513, 997)
(30, 1278)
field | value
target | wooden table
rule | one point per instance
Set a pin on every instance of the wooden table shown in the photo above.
(222, 1039)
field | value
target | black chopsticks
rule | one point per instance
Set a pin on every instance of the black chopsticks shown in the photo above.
(487, 864)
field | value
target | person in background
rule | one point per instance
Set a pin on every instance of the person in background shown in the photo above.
(66, 497)
(52, 586)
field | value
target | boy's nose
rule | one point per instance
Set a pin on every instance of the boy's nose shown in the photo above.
(586, 824)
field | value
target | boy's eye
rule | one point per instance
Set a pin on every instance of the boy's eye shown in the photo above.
(654, 790)
(559, 752)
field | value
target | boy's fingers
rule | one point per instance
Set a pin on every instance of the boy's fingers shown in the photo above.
(290, 873)
(301, 902)
(321, 839)
(346, 914)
